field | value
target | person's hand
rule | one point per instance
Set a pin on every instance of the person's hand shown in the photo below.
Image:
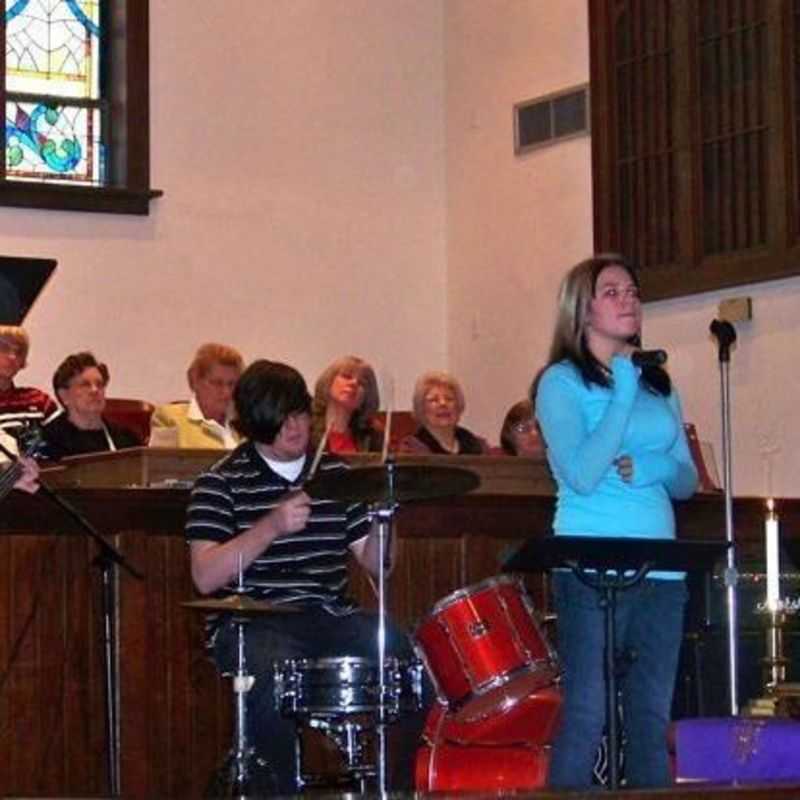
(291, 515)
(28, 481)
(624, 465)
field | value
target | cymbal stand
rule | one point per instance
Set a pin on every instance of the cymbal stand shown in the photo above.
(235, 780)
(237, 776)
(238, 770)
(384, 513)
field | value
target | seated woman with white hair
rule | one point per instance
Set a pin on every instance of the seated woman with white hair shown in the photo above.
(438, 406)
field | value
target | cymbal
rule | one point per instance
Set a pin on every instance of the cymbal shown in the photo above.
(240, 604)
(411, 482)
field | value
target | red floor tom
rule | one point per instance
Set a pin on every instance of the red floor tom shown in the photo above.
(531, 720)
(446, 767)
(479, 642)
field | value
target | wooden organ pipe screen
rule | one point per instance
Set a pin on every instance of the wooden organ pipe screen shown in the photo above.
(696, 139)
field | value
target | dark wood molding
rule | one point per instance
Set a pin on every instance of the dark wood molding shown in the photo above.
(57, 197)
(730, 212)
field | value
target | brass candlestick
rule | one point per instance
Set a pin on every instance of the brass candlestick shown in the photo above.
(774, 662)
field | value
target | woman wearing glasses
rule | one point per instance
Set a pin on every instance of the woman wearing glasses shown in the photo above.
(519, 435)
(438, 406)
(80, 385)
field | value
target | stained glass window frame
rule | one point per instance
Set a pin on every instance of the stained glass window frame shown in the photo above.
(126, 161)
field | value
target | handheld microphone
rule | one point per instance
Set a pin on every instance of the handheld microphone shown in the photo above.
(649, 358)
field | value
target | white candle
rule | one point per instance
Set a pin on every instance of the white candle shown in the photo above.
(773, 558)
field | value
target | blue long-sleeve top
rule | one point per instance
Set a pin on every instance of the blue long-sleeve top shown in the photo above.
(587, 426)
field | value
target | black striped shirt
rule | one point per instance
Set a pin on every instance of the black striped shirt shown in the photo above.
(308, 567)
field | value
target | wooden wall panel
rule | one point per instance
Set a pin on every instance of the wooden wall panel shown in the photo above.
(51, 702)
(175, 709)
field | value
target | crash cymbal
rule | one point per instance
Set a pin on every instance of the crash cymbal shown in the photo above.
(371, 484)
(240, 604)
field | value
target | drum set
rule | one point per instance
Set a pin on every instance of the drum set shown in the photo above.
(495, 674)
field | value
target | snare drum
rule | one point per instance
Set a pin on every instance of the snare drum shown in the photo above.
(332, 687)
(479, 641)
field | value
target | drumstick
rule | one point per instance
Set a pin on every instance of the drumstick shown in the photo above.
(239, 572)
(387, 427)
(320, 450)
(387, 430)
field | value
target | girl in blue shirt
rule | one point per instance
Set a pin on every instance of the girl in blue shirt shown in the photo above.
(619, 456)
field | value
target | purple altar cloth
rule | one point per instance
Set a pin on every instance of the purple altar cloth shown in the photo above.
(739, 749)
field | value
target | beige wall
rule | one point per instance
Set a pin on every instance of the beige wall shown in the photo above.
(513, 223)
(299, 144)
(516, 224)
(345, 181)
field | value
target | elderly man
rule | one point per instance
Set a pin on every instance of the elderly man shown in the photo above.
(205, 421)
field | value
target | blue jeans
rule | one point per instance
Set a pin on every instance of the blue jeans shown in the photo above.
(313, 634)
(649, 626)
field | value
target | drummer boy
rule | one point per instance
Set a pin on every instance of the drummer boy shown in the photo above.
(249, 528)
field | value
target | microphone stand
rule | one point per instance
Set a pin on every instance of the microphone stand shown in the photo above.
(106, 560)
(725, 334)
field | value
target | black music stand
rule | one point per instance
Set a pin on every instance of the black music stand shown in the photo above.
(610, 565)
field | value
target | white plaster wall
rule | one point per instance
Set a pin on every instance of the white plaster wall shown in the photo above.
(516, 224)
(345, 181)
(299, 144)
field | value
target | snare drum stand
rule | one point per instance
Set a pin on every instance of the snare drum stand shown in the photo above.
(347, 736)
(235, 779)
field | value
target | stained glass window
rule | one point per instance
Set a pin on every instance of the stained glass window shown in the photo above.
(54, 108)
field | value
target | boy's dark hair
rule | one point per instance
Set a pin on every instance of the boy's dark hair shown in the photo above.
(266, 394)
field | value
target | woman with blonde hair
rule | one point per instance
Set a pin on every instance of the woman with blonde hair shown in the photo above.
(345, 399)
(206, 420)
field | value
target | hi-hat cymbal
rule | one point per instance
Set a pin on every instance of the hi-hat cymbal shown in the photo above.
(410, 482)
(240, 604)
